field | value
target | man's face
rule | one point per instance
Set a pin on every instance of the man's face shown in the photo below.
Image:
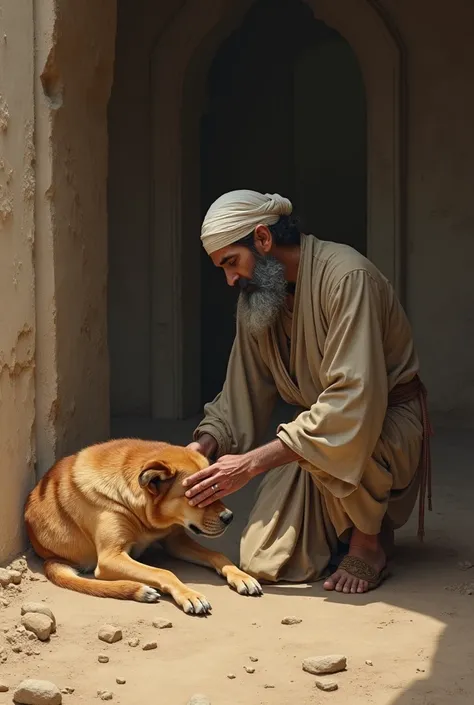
(261, 279)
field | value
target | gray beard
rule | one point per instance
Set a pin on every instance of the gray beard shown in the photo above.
(262, 297)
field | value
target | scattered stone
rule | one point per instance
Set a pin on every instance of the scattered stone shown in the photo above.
(17, 649)
(5, 577)
(110, 634)
(369, 663)
(3, 687)
(37, 692)
(268, 685)
(254, 659)
(40, 624)
(120, 681)
(319, 665)
(20, 565)
(231, 676)
(149, 645)
(328, 686)
(199, 699)
(67, 691)
(249, 669)
(133, 642)
(291, 620)
(39, 608)
(105, 694)
(465, 565)
(162, 624)
(102, 658)
(15, 576)
(5, 602)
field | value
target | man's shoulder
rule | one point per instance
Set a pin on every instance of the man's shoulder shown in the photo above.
(334, 261)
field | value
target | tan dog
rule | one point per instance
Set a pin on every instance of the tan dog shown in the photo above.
(95, 509)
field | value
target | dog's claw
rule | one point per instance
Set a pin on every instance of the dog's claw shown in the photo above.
(197, 605)
(247, 586)
(149, 594)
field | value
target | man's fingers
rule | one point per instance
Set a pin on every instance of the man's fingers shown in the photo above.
(203, 495)
(204, 485)
(197, 476)
(212, 498)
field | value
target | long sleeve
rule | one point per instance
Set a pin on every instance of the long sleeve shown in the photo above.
(338, 434)
(239, 415)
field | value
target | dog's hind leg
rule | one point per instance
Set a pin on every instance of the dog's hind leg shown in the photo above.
(64, 575)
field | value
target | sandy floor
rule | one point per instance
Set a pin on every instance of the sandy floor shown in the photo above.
(417, 629)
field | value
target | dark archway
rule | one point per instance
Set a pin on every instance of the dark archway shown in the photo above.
(285, 112)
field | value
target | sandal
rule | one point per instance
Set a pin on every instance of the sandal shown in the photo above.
(358, 568)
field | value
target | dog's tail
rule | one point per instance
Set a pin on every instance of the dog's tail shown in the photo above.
(64, 575)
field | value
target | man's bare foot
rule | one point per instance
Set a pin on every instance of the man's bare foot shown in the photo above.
(368, 549)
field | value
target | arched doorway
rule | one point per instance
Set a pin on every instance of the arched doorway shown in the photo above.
(284, 111)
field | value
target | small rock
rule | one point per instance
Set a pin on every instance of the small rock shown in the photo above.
(3, 687)
(105, 694)
(5, 577)
(39, 608)
(369, 663)
(40, 624)
(110, 634)
(15, 576)
(254, 659)
(162, 624)
(37, 692)
(199, 699)
(149, 645)
(20, 565)
(5, 602)
(120, 681)
(17, 649)
(268, 685)
(249, 669)
(102, 658)
(328, 686)
(319, 665)
(465, 565)
(67, 691)
(133, 642)
(231, 676)
(291, 620)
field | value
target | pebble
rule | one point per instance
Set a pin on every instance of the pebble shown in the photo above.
(231, 676)
(20, 565)
(249, 669)
(268, 685)
(149, 645)
(369, 663)
(254, 659)
(102, 658)
(110, 634)
(15, 576)
(319, 665)
(199, 699)
(162, 624)
(40, 624)
(39, 608)
(291, 620)
(105, 694)
(67, 691)
(465, 565)
(120, 681)
(133, 642)
(328, 686)
(5, 577)
(37, 692)
(3, 687)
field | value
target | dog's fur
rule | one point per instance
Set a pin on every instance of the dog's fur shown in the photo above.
(95, 509)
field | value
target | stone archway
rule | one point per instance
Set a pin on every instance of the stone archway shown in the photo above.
(180, 62)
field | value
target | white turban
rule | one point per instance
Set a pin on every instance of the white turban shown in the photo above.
(235, 215)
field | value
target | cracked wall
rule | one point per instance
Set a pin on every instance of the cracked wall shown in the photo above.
(17, 294)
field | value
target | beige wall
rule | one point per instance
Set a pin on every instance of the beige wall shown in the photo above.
(440, 246)
(17, 312)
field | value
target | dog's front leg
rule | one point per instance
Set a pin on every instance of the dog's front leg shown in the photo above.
(182, 546)
(113, 565)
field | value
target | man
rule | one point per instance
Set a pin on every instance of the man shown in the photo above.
(319, 325)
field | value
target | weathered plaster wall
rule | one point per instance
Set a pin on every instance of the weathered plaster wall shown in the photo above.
(75, 57)
(17, 312)
(440, 247)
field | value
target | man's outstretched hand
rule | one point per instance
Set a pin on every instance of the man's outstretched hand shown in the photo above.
(229, 474)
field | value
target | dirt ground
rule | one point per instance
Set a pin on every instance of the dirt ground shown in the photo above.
(415, 631)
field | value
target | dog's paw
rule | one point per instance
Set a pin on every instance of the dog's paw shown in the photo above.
(243, 583)
(194, 603)
(148, 594)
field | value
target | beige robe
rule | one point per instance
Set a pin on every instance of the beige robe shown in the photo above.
(349, 344)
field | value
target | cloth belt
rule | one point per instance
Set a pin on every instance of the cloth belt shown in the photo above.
(401, 394)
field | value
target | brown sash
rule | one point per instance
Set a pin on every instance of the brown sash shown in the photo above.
(401, 394)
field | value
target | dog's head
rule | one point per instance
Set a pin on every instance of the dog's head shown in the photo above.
(161, 478)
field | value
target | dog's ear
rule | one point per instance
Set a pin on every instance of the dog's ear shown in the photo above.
(154, 476)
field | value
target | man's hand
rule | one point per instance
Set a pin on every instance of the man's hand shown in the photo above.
(229, 474)
(206, 445)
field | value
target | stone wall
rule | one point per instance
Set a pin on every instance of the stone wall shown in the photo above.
(17, 292)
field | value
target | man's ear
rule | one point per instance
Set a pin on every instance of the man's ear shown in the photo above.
(153, 475)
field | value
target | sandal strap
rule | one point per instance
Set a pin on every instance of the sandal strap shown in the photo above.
(360, 569)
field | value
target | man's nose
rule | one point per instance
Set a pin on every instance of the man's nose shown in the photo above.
(232, 279)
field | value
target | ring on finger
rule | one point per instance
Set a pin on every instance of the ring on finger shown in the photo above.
(215, 487)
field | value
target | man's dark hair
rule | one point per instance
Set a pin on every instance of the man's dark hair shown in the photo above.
(285, 232)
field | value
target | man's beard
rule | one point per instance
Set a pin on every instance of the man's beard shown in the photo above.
(262, 297)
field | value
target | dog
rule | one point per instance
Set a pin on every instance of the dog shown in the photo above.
(99, 509)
